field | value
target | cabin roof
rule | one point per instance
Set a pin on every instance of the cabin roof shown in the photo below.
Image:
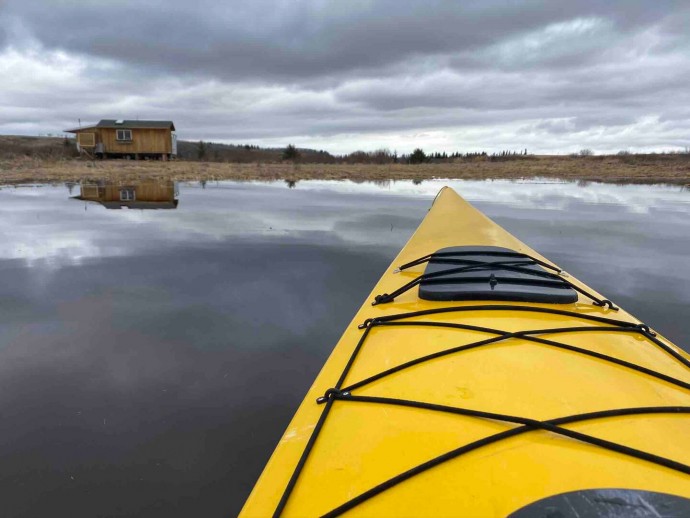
(138, 204)
(112, 123)
(126, 124)
(172, 204)
(82, 128)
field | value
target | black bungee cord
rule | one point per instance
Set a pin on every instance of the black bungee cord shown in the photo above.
(544, 278)
(345, 394)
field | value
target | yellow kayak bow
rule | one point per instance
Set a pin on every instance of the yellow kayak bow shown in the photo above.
(481, 380)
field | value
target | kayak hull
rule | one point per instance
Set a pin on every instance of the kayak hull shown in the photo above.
(360, 445)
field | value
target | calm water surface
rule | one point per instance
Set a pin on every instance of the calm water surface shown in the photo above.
(151, 359)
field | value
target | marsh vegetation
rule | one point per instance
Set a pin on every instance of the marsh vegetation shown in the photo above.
(45, 160)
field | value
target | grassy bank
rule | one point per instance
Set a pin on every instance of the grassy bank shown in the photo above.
(672, 169)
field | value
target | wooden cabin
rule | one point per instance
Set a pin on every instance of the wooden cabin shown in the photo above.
(147, 194)
(136, 139)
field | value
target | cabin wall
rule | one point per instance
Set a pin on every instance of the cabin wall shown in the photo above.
(144, 140)
(144, 191)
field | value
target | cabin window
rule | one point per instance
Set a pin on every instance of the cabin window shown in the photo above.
(86, 139)
(127, 195)
(124, 134)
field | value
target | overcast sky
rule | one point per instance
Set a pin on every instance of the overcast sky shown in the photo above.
(552, 76)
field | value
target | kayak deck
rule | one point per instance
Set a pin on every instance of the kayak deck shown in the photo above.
(478, 408)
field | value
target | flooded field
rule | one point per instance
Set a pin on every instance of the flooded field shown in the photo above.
(156, 338)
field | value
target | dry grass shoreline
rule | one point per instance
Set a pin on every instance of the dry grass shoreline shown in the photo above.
(641, 169)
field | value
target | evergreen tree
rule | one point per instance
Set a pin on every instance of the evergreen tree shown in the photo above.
(290, 153)
(418, 156)
(201, 149)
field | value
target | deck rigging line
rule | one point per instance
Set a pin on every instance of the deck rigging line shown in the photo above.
(515, 262)
(345, 394)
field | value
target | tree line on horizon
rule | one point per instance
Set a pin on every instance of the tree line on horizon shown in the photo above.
(63, 147)
(213, 152)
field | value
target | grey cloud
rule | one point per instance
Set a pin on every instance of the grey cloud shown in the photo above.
(583, 123)
(357, 74)
(301, 39)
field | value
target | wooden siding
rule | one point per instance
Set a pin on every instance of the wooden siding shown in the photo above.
(144, 140)
(144, 191)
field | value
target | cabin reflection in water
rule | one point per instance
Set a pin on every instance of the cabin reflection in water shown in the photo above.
(132, 195)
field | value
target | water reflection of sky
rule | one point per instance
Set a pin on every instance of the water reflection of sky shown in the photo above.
(149, 360)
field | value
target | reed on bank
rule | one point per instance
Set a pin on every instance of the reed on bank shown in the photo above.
(649, 169)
